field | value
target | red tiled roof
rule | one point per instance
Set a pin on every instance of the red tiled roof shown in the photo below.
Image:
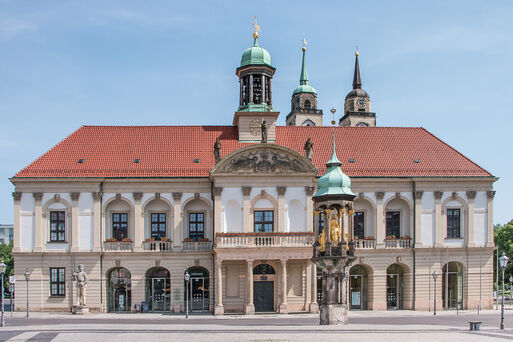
(170, 151)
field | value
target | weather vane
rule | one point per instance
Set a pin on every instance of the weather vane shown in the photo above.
(304, 44)
(257, 28)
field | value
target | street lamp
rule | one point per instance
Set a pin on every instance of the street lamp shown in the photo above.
(187, 277)
(27, 277)
(503, 262)
(2, 272)
(435, 274)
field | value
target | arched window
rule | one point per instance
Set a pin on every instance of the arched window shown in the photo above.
(308, 123)
(263, 269)
(119, 291)
(307, 104)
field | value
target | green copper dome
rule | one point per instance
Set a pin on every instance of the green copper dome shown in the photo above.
(303, 86)
(334, 181)
(255, 55)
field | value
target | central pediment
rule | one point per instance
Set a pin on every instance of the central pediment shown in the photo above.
(265, 159)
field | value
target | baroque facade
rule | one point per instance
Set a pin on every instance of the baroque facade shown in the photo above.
(232, 205)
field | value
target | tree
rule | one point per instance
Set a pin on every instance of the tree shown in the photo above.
(503, 237)
(6, 256)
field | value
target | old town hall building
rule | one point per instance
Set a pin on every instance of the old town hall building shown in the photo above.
(232, 205)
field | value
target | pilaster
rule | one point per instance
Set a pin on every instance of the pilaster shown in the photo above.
(417, 218)
(314, 306)
(439, 237)
(138, 222)
(38, 227)
(74, 221)
(17, 221)
(281, 208)
(177, 220)
(469, 234)
(379, 229)
(96, 222)
(309, 190)
(246, 210)
(217, 210)
(489, 236)
(250, 307)
(219, 309)
(283, 309)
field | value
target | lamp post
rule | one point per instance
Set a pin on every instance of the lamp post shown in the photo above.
(435, 274)
(27, 277)
(2, 273)
(187, 277)
(503, 262)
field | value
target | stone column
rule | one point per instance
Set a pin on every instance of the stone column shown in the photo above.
(314, 306)
(241, 85)
(177, 236)
(38, 226)
(283, 305)
(246, 210)
(74, 221)
(469, 234)
(219, 309)
(96, 222)
(264, 99)
(417, 218)
(270, 91)
(380, 228)
(138, 222)
(309, 208)
(489, 236)
(217, 210)
(280, 217)
(250, 307)
(439, 238)
(308, 290)
(250, 89)
(17, 221)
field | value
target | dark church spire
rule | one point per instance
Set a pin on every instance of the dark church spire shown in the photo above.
(357, 81)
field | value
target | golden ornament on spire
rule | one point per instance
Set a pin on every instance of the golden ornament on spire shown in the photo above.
(257, 28)
(304, 44)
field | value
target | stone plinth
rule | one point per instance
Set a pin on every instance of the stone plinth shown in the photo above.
(333, 314)
(219, 310)
(79, 310)
(250, 309)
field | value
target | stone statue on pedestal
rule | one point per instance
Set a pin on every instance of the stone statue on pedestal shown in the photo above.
(263, 129)
(217, 150)
(308, 148)
(82, 279)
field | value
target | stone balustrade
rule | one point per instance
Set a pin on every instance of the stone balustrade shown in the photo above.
(118, 246)
(157, 246)
(397, 243)
(248, 240)
(365, 244)
(193, 246)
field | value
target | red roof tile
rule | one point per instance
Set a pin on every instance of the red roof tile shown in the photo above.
(170, 151)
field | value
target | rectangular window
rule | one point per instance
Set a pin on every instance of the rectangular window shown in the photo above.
(57, 281)
(453, 223)
(57, 223)
(264, 221)
(196, 226)
(158, 225)
(321, 222)
(393, 224)
(119, 226)
(359, 226)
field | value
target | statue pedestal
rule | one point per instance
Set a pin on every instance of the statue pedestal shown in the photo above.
(79, 310)
(218, 310)
(333, 314)
(250, 309)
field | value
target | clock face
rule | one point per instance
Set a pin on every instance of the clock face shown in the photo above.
(254, 126)
(362, 101)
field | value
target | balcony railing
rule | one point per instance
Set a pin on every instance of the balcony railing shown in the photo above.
(365, 244)
(193, 246)
(118, 246)
(157, 246)
(245, 240)
(397, 243)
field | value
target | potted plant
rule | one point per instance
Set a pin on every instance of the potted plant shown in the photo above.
(149, 239)
(355, 238)
(405, 237)
(126, 240)
(165, 239)
(391, 237)
(368, 238)
(111, 240)
(188, 240)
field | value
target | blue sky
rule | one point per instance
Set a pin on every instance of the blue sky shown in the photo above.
(442, 65)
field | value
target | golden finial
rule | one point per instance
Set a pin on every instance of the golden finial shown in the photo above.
(304, 44)
(257, 28)
(333, 111)
(356, 53)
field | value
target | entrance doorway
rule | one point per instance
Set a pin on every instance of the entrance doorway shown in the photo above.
(158, 289)
(263, 288)
(199, 298)
(394, 287)
(119, 290)
(358, 288)
(452, 283)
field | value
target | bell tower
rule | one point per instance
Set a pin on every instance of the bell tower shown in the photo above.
(357, 105)
(304, 110)
(255, 99)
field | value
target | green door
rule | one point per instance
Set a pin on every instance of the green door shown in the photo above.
(263, 296)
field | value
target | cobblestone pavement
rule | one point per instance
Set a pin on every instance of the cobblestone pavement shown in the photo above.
(363, 325)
